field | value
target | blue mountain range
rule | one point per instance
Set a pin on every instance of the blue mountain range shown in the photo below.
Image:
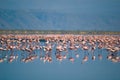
(51, 20)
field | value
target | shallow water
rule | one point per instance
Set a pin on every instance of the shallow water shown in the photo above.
(65, 70)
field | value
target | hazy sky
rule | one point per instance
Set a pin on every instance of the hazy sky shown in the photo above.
(74, 6)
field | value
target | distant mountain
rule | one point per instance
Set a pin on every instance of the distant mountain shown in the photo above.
(51, 20)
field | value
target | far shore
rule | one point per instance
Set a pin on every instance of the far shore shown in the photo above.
(77, 32)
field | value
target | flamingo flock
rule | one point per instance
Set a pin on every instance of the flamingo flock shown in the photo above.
(27, 48)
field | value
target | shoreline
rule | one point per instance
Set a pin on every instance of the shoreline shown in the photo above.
(59, 32)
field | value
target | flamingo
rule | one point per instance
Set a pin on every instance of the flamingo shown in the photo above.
(93, 57)
(1, 60)
(71, 59)
(77, 55)
(109, 57)
(99, 56)
(85, 59)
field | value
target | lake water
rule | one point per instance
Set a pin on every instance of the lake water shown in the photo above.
(65, 70)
